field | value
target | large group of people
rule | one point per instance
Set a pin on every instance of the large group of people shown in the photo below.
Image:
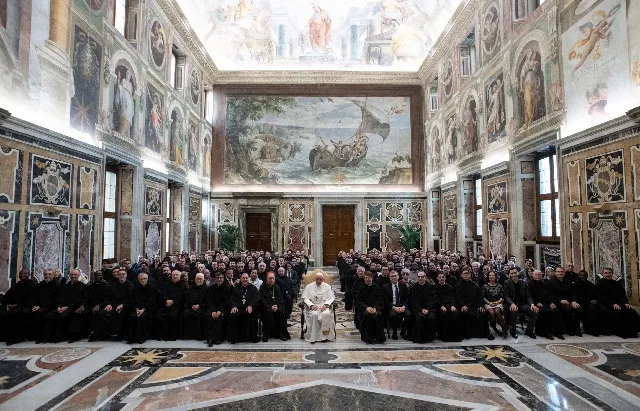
(218, 296)
(449, 296)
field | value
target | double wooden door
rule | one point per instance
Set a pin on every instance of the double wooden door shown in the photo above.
(338, 231)
(258, 231)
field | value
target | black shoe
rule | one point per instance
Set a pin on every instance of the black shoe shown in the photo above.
(530, 334)
(92, 338)
(579, 333)
(72, 340)
(514, 334)
(560, 336)
(548, 336)
(265, 339)
(394, 336)
(129, 342)
(490, 337)
(210, 343)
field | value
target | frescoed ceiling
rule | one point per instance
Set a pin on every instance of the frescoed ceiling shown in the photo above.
(349, 35)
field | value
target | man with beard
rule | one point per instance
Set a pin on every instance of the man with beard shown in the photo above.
(194, 309)
(217, 300)
(143, 304)
(398, 314)
(68, 303)
(519, 302)
(550, 320)
(593, 311)
(563, 290)
(449, 322)
(423, 306)
(16, 306)
(44, 301)
(471, 303)
(243, 321)
(171, 298)
(622, 318)
(371, 308)
(97, 296)
(111, 319)
(273, 312)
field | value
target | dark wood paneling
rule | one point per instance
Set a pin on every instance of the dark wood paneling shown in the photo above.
(338, 231)
(258, 229)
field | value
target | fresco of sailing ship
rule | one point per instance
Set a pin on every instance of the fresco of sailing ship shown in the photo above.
(318, 140)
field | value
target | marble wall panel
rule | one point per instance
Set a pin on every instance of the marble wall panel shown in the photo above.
(11, 160)
(193, 237)
(126, 191)
(497, 198)
(575, 240)
(226, 213)
(468, 199)
(529, 227)
(394, 212)
(436, 227)
(50, 181)
(49, 242)
(152, 238)
(527, 167)
(87, 188)
(635, 170)
(574, 185)
(550, 256)
(392, 238)
(9, 232)
(498, 238)
(204, 237)
(374, 232)
(296, 213)
(87, 65)
(605, 178)
(636, 214)
(153, 201)
(176, 237)
(451, 237)
(450, 207)
(195, 208)
(297, 238)
(84, 242)
(608, 243)
(124, 238)
(374, 212)
(176, 204)
(414, 212)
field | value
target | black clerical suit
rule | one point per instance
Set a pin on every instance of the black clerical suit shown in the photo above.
(44, 297)
(169, 316)
(107, 323)
(243, 325)
(564, 290)
(449, 321)
(518, 294)
(217, 300)
(288, 293)
(193, 320)
(371, 324)
(70, 296)
(355, 290)
(550, 320)
(396, 297)
(96, 295)
(16, 306)
(142, 298)
(474, 321)
(625, 322)
(422, 297)
(593, 312)
(274, 323)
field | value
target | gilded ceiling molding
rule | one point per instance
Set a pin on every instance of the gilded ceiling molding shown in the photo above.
(314, 77)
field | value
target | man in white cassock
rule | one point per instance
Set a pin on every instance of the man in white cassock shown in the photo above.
(318, 297)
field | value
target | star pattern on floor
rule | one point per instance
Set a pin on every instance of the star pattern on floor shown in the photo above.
(498, 355)
(152, 357)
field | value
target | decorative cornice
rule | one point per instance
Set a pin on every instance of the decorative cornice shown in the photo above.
(497, 170)
(4, 114)
(315, 77)
(534, 143)
(113, 147)
(634, 114)
(155, 176)
(603, 134)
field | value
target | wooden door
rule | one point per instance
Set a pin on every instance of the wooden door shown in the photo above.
(338, 231)
(258, 229)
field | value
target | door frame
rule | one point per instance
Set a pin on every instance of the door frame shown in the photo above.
(242, 223)
(357, 218)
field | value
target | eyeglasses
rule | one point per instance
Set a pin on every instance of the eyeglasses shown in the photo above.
(422, 276)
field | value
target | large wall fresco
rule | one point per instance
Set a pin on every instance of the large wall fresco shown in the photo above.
(288, 35)
(318, 140)
(87, 63)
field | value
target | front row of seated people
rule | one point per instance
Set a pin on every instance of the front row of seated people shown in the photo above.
(49, 312)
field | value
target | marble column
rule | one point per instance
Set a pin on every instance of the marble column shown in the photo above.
(55, 64)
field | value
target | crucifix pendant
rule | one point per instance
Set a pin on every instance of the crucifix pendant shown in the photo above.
(243, 300)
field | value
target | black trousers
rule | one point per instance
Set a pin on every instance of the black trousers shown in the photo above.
(14, 322)
(475, 324)
(57, 329)
(570, 317)
(371, 327)
(110, 323)
(523, 309)
(549, 321)
(274, 324)
(192, 323)
(243, 326)
(217, 329)
(169, 322)
(449, 325)
(424, 329)
(624, 323)
(399, 320)
(38, 321)
(139, 326)
(593, 317)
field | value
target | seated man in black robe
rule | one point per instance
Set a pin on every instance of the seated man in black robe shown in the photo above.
(194, 309)
(355, 289)
(622, 318)
(97, 296)
(171, 298)
(273, 312)
(518, 302)
(243, 321)
(562, 288)
(371, 307)
(111, 319)
(423, 306)
(396, 305)
(287, 288)
(550, 320)
(143, 305)
(593, 312)
(43, 302)
(68, 303)
(217, 301)
(16, 306)
(449, 321)
(471, 304)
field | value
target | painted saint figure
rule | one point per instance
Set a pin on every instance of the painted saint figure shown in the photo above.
(124, 104)
(470, 127)
(495, 109)
(531, 88)
(319, 30)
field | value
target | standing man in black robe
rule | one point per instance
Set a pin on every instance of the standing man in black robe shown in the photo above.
(16, 306)
(518, 301)
(68, 303)
(355, 289)
(622, 318)
(593, 311)
(371, 307)
(171, 306)
(287, 288)
(396, 305)
(423, 306)
(110, 320)
(471, 304)
(217, 301)
(273, 312)
(44, 301)
(143, 304)
(243, 321)
(562, 288)
(449, 321)
(550, 320)
(97, 296)
(194, 309)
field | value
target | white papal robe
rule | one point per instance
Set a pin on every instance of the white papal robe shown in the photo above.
(320, 325)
